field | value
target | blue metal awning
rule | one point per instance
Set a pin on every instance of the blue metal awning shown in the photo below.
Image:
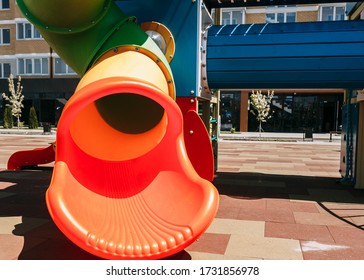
(290, 55)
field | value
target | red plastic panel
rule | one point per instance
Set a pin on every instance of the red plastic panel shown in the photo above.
(198, 145)
(187, 104)
(34, 157)
(197, 139)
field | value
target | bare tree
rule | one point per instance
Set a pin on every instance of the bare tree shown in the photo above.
(15, 98)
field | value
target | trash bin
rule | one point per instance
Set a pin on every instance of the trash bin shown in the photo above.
(308, 134)
(46, 128)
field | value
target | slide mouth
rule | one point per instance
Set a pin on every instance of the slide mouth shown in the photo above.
(129, 124)
(118, 114)
(130, 113)
(100, 147)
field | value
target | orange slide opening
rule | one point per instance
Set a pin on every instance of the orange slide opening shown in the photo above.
(123, 186)
(134, 121)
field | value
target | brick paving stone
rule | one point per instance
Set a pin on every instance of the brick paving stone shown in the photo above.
(265, 248)
(11, 246)
(347, 235)
(299, 232)
(279, 216)
(317, 219)
(213, 243)
(324, 251)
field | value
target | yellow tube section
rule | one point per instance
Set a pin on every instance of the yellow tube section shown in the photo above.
(122, 119)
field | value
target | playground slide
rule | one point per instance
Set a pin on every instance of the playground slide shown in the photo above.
(123, 186)
(22, 159)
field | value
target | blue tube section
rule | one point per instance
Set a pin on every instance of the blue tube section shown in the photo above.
(290, 55)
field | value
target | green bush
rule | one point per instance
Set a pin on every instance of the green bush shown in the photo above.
(8, 118)
(33, 120)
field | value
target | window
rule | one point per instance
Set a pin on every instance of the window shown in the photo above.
(332, 13)
(280, 17)
(27, 31)
(290, 17)
(281, 14)
(4, 4)
(5, 36)
(5, 70)
(232, 17)
(61, 68)
(33, 66)
(230, 110)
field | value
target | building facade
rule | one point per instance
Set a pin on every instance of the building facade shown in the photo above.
(47, 81)
(291, 110)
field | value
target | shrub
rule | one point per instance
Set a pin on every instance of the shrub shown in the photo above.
(8, 118)
(33, 120)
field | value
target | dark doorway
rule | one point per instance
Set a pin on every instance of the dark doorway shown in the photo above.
(47, 108)
(329, 116)
(25, 112)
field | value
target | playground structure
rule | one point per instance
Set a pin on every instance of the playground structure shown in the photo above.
(123, 184)
(132, 166)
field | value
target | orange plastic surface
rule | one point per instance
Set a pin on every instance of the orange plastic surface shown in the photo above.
(127, 192)
(21, 159)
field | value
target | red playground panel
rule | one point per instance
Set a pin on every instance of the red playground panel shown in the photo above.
(22, 159)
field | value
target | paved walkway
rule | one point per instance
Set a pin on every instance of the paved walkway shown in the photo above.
(282, 201)
(278, 200)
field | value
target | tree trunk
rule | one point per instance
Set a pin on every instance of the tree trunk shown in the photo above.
(260, 130)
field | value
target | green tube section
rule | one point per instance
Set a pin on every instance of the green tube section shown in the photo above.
(81, 31)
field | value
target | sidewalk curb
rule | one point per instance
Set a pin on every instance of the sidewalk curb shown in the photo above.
(22, 131)
(279, 137)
